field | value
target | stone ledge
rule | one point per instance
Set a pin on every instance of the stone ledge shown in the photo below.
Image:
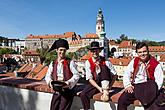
(114, 96)
(41, 86)
(24, 83)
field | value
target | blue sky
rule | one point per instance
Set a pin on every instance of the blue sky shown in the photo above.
(138, 19)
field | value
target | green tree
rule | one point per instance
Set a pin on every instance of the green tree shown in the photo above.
(42, 53)
(122, 37)
(7, 51)
(151, 43)
(50, 56)
(72, 55)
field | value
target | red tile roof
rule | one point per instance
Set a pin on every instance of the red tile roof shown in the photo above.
(47, 36)
(69, 34)
(126, 44)
(8, 74)
(30, 52)
(38, 72)
(35, 71)
(41, 74)
(75, 42)
(25, 68)
(156, 48)
(91, 36)
(120, 61)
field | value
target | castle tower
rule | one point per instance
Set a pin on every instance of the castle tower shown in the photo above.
(100, 31)
(100, 25)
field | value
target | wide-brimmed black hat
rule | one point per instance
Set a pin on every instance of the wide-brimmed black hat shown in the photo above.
(59, 86)
(59, 43)
(95, 45)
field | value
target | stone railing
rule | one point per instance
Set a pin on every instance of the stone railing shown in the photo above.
(28, 94)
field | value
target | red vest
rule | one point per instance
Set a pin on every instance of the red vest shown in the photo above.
(93, 66)
(151, 66)
(66, 70)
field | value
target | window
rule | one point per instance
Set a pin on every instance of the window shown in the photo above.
(35, 43)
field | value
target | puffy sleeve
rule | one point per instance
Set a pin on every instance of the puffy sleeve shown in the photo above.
(158, 74)
(111, 67)
(74, 79)
(48, 77)
(88, 71)
(127, 74)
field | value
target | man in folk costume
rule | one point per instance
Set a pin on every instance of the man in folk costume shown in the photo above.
(99, 73)
(62, 69)
(147, 78)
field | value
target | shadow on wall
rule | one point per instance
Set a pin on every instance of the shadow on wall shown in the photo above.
(32, 99)
(77, 105)
(12, 99)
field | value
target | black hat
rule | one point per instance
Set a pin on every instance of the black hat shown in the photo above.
(59, 43)
(59, 86)
(95, 45)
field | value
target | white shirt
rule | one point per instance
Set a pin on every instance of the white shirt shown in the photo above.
(142, 75)
(72, 81)
(88, 70)
(104, 83)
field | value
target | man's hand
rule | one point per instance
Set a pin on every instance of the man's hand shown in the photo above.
(50, 84)
(129, 89)
(67, 82)
(93, 83)
(100, 89)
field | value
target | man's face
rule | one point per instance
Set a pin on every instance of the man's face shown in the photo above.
(95, 53)
(143, 53)
(61, 52)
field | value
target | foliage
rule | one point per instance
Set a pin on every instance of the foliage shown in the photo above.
(151, 43)
(43, 53)
(82, 51)
(72, 55)
(7, 51)
(123, 37)
(50, 56)
(162, 43)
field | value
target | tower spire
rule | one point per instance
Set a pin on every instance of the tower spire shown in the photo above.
(100, 24)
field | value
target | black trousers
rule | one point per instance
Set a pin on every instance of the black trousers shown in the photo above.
(90, 90)
(146, 93)
(63, 100)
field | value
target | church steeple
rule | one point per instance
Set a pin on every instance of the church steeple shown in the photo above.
(100, 25)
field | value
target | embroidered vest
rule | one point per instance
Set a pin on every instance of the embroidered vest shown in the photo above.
(66, 70)
(150, 67)
(93, 66)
